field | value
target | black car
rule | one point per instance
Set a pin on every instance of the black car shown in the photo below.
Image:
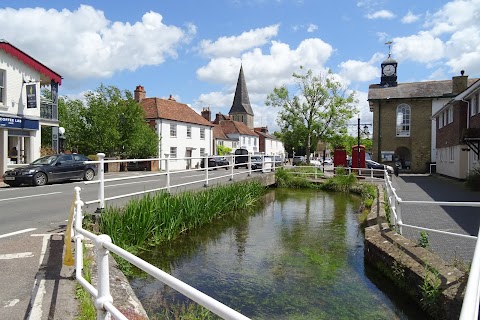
(241, 158)
(53, 168)
(222, 162)
(211, 163)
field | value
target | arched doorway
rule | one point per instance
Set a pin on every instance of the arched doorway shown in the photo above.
(403, 157)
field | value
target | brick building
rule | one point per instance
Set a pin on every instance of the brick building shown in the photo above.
(403, 129)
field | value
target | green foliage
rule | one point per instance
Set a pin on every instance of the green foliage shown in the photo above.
(152, 219)
(473, 179)
(423, 239)
(222, 150)
(430, 290)
(109, 121)
(87, 308)
(387, 209)
(316, 113)
(342, 138)
(340, 182)
(184, 311)
(291, 179)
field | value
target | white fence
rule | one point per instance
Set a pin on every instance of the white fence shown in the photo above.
(471, 300)
(103, 299)
(260, 163)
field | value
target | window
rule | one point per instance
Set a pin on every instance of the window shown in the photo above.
(249, 141)
(440, 121)
(403, 120)
(450, 115)
(173, 152)
(451, 153)
(243, 138)
(255, 142)
(474, 105)
(202, 152)
(220, 143)
(189, 131)
(2, 86)
(202, 133)
(173, 130)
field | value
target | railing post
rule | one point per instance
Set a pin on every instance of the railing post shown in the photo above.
(205, 166)
(263, 163)
(274, 158)
(103, 277)
(232, 165)
(315, 172)
(167, 169)
(371, 174)
(249, 165)
(101, 187)
(399, 215)
(78, 220)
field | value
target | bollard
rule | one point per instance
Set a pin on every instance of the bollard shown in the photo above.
(101, 187)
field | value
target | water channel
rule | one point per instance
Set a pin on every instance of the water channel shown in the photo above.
(298, 255)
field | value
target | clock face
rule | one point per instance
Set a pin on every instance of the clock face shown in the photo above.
(388, 70)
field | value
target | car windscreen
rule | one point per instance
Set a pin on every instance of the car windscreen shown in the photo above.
(45, 160)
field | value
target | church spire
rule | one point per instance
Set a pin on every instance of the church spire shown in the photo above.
(241, 101)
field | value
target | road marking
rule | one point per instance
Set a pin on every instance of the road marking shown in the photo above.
(32, 196)
(127, 183)
(10, 256)
(11, 303)
(17, 232)
(39, 290)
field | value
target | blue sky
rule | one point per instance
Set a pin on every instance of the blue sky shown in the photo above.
(193, 49)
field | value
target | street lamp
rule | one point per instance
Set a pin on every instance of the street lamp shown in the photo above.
(365, 131)
(61, 139)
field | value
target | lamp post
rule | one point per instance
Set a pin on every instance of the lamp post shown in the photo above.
(61, 139)
(293, 153)
(365, 131)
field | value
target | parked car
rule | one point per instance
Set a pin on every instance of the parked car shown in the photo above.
(375, 165)
(298, 160)
(278, 161)
(53, 168)
(222, 162)
(327, 161)
(257, 162)
(211, 163)
(241, 158)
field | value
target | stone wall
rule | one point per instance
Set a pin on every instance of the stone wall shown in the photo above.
(404, 262)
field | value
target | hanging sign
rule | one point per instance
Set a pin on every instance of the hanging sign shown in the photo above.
(31, 96)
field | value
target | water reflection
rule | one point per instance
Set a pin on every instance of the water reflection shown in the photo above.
(298, 255)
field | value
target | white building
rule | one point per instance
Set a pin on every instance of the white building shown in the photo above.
(269, 144)
(182, 133)
(22, 114)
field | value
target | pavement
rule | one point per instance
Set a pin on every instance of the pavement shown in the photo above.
(47, 288)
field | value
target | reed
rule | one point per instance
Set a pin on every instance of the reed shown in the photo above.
(152, 219)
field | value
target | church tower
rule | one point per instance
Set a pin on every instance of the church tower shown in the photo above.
(241, 110)
(389, 70)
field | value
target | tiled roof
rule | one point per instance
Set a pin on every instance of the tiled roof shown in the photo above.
(426, 89)
(267, 135)
(156, 108)
(231, 127)
(219, 134)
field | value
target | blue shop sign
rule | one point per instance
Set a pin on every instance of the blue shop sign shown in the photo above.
(18, 123)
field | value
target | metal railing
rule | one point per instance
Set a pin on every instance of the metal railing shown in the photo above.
(471, 301)
(103, 298)
(265, 164)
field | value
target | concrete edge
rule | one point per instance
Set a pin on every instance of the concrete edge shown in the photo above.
(405, 262)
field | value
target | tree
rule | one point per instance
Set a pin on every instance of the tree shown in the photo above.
(320, 108)
(222, 150)
(109, 121)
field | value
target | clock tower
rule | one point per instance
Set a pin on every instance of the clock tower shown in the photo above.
(389, 70)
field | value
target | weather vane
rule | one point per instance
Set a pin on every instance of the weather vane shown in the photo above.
(389, 44)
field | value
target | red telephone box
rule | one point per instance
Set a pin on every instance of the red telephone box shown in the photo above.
(358, 151)
(340, 157)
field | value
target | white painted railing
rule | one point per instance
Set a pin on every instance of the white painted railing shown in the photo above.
(103, 299)
(266, 164)
(471, 300)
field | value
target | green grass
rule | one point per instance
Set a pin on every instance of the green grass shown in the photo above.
(153, 219)
(87, 308)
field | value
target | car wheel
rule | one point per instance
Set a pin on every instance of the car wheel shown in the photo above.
(88, 175)
(40, 179)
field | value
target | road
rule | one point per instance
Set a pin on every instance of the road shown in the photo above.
(32, 222)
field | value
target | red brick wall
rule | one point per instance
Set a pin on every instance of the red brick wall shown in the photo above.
(451, 134)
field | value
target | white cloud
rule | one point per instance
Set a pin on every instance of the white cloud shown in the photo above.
(235, 45)
(355, 70)
(312, 27)
(84, 44)
(410, 18)
(454, 16)
(422, 47)
(381, 14)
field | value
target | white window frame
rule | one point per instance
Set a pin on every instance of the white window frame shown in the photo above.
(189, 132)
(451, 153)
(173, 130)
(450, 114)
(403, 129)
(2, 87)
(202, 133)
(202, 152)
(440, 121)
(173, 152)
(473, 103)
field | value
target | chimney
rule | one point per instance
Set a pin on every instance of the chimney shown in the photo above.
(206, 113)
(459, 83)
(171, 98)
(139, 94)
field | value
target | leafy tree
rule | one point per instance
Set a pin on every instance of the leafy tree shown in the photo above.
(108, 121)
(222, 150)
(318, 110)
